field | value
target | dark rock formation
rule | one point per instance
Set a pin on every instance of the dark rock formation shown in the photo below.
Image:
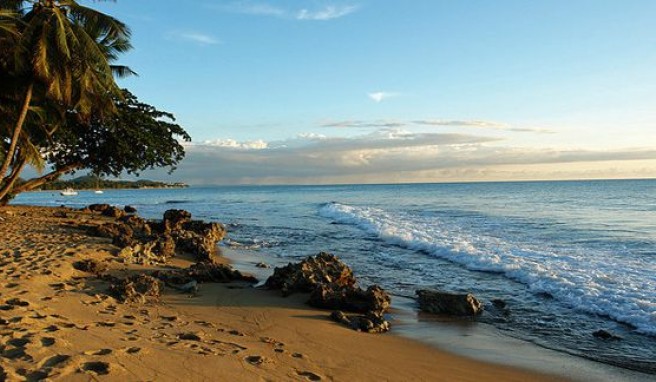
(332, 286)
(138, 224)
(203, 272)
(606, 335)
(499, 303)
(449, 303)
(198, 238)
(113, 212)
(139, 288)
(98, 207)
(129, 209)
(352, 299)
(306, 275)
(174, 219)
(90, 266)
(370, 322)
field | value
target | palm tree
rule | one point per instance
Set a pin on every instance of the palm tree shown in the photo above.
(61, 55)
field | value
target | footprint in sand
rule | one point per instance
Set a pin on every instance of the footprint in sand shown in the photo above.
(133, 350)
(255, 359)
(56, 360)
(310, 376)
(97, 367)
(47, 341)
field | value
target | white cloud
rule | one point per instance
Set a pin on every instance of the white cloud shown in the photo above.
(233, 144)
(389, 155)
(323, 13)
(327, 13)
(363, 124)
(196, 37)
(381, 96)
(481, 125)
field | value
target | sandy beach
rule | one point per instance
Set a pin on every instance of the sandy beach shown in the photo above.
(59, 323)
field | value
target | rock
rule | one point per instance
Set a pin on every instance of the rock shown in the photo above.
(91, 266)
(190, 287)
(499, 303)
(173, 219)
(139, 288)
(448, 303)
(199, 238)
(111, 230)
(129, 209)
(203, 272)
(262, 265)
(60, 214)
(306, 275)
(98, 207)
(606, 335)
(113, 212)
(370, 322)
(349, 298)
(137, 224)
(154, 252)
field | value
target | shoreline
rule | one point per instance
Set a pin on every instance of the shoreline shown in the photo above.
(59, 323)
(473, 340)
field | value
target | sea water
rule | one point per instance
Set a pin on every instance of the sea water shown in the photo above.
(567, 258)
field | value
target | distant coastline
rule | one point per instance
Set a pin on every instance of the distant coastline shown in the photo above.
(94, 183)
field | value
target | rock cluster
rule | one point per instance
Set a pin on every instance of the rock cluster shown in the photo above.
(136, 289)
(437, 302)
(332, 285)
(203, 273)
(151, 243)
(304, 276)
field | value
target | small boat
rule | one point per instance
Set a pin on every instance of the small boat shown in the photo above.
(68, 192)
(98, 192)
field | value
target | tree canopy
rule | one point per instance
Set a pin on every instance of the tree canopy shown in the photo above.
(60, 106)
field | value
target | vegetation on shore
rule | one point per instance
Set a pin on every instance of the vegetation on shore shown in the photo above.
(61, 109)
(95, 183)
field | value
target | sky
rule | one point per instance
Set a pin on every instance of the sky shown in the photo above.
(387, 91)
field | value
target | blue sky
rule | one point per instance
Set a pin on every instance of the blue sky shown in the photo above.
(389, 90)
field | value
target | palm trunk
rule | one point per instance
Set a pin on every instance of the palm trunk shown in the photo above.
(11, 152)
(10, 181)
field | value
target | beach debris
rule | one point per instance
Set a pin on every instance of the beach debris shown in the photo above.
(138, 288)
(90, 266)
(432, 301)
(369, 322)
(312, 271)
(350, 298)
(606, 335)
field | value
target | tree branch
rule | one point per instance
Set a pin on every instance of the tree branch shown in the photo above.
(36, 182)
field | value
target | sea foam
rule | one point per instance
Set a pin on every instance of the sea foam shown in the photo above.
(606, 283)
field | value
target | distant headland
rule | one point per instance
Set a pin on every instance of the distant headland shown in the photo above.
(89, 182)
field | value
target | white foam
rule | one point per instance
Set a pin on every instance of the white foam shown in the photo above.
(612, 284)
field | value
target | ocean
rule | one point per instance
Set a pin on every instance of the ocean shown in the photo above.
(567, 258)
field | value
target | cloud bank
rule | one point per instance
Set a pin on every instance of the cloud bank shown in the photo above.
(395, 155)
